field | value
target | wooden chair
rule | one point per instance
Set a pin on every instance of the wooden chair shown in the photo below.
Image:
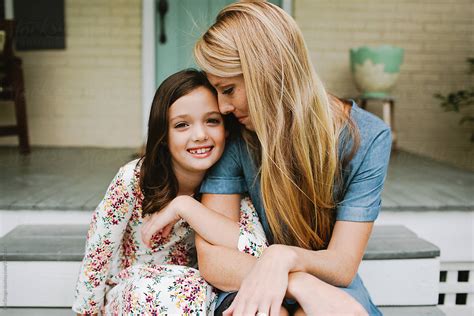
(12, 85)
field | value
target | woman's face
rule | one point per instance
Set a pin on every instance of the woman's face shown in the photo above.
(232, 98)
(196, 134)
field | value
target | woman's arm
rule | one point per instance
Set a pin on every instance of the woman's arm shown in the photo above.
(319, 298)
(344, 254)
(267, 282)
(337, 265)
(223, 267)
(214, 227)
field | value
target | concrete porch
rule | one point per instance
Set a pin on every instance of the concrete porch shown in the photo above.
(63, 186)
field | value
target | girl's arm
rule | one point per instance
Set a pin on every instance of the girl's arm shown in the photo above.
(103, 239)
(214, 227)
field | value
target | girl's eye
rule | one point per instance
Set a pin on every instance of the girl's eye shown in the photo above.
(214, 121)
(228, 90)
(181, 125)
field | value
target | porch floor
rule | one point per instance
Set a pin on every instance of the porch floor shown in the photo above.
(76, 179)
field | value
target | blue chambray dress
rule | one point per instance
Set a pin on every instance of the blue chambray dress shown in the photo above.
(362, 186)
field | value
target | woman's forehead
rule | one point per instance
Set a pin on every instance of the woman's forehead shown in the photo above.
(217, 81)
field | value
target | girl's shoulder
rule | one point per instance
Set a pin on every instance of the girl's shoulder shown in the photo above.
(130, 172)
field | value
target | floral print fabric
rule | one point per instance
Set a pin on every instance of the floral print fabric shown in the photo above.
(160, 290)
(252, 239)
(114, 246)
(119, 275)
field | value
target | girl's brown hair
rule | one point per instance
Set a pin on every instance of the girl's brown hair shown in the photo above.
(157, 180)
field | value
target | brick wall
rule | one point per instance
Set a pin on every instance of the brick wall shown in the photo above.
(88, 94)
(437, 35)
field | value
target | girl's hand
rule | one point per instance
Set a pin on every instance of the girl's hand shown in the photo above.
(264, 288)
(161, 222)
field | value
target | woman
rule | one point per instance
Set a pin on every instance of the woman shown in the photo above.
(314, 167)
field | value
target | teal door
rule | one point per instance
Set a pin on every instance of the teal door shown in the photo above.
(184, 22)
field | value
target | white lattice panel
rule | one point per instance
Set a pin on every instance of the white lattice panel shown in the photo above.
(456, 288)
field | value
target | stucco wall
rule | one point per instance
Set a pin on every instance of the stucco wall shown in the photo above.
(88, 94)
(437, 36)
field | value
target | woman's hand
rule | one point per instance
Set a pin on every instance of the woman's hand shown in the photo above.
(161, 222)
(264, 288)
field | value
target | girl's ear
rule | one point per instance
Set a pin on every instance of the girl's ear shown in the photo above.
(227, 133)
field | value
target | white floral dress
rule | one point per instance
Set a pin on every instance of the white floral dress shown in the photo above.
(121, 276)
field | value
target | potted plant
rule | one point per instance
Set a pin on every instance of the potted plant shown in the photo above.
(375, 69)
(460, 100)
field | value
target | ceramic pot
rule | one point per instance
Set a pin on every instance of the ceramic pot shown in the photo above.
(375, 69)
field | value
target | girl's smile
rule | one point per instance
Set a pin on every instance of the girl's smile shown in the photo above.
(201, 152)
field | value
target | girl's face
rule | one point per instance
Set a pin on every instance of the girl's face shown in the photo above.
(196, 134)
(232, 98)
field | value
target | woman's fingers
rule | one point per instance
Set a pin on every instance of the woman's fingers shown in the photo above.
(275, 308)
(245, 308)
(263, 309)
(263, 289)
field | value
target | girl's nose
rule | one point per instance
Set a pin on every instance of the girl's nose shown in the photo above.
(199, 133)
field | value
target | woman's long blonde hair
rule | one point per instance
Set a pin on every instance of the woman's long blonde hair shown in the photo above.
(296, 122)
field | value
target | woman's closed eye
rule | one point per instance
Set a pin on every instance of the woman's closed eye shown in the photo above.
(228, 90)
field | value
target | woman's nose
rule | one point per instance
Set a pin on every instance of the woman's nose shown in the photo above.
(225, 107)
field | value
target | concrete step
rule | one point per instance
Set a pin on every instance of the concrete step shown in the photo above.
(398, 269)
(36, 311)
(412, 311)
(387, 311)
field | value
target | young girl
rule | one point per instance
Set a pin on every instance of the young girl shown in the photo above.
(119, 274)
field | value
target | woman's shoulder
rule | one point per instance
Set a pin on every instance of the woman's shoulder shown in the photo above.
(373, 133)
(370, 126)
(375, 139)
